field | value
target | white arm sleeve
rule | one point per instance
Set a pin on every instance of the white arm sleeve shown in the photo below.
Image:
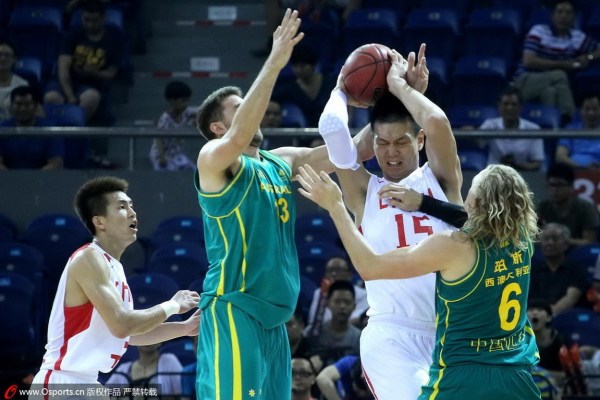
(333, 127)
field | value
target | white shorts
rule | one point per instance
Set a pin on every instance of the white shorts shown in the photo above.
(396, 354)
(66, 385)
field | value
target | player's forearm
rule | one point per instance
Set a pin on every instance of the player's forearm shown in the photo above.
(426, 113)
(163, 332)
(328, 390)
(362, 256)
(450, 213)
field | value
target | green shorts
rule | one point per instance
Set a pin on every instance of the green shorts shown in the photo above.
(239, 359)
(479, 381)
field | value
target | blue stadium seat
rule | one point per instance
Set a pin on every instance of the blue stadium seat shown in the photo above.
(56, 236)
(8, 230)
(292, 116)
(65, 114)
(29, 26)
(524, 7)
(20, 335)
(439, 28)
(319, 228)
(494, 32)
(23, 259)
(181, 221)
(438, 80)
(547, 117)
(176, 234)
(462, 7)
(183, 349)
(472, 73)
(401, 6)
(472, 160)
(151, 288)
(29, 68)
(585, 255)
(587, 82)
(312, 258)
(580, 326)
(369, 25)
(77, 149)
(592, 26)
(470, 116)
(197, 285)
(183, 262)
(322, 37)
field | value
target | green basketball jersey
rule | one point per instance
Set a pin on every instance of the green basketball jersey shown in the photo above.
(249, 238)
(482, 317)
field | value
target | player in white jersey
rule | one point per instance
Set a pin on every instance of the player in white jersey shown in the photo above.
(92, 319)
(397, 344)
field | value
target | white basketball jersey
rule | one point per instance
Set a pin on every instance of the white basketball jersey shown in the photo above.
(387, 228)
(78, 338)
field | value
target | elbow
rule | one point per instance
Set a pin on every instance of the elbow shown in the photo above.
(437, 119)
(119, 332)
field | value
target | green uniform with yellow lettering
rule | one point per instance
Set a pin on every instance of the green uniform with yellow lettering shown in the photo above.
(251, 287)
(485, 344)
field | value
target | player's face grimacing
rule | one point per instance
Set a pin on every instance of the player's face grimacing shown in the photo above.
(396, 149)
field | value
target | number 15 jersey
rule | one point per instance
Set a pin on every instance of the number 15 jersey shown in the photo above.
(387, 228)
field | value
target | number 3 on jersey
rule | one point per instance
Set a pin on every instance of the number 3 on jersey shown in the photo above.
(418, 227)
(282, 209)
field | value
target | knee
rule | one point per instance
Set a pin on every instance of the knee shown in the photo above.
(559, 76)
(53, 97)
(90, 97)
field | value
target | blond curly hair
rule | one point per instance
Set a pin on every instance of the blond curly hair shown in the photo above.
(503, 209)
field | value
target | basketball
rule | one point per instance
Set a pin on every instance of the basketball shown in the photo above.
(364, 73)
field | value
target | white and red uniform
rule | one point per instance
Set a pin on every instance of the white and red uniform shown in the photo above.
(397, 344)
(80, 345)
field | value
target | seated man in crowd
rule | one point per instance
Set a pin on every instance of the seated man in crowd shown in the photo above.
(16, 152)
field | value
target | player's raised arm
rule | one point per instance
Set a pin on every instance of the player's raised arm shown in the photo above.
(217, 156)
(440, 144)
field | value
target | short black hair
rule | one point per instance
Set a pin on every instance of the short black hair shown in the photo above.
(22, 91)
(303, 54)
(511, 91)
(341, 285)
(94, 7)
(389, 109)
(91, 200)
(561, 171)
(11, 45)
(177, 90)
(541, 304)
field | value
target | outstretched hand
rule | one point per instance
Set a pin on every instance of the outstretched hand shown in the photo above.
(417, 74)
(192, 324)
(397, 72)
(187, 300)
(285, 37)
(319, 188)
(401, 196)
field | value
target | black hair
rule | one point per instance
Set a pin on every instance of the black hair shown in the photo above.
(511, 91)
(11, 45)
(389, 109)
(304, 54)
(22, 91)
(177, 90)
(541, 304)
(341, 285)
(561, 171)
(91, 200)
(94, 7)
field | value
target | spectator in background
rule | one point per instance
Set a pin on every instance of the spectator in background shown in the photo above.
(310, 89)
(522, 154)
(303, 379)
(565, 207)
(8, 80)
(301, 346)
(344, 380)
(582, 152)
(16, 152)
(166, 154)
(338, 336)
(151, 368)
(336, 269)
(272, 117)
(188, 377)
(88, 62)
(548, 339)
(550, 54)
(557, 282)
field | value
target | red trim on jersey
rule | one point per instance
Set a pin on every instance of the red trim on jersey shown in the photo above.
(107, 257)
(78, 250)
(369, 383)
(46, 382)
(77, 320)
